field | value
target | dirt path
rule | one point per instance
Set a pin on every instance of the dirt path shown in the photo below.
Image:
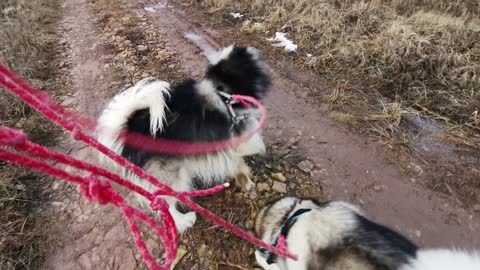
(89, 236)
(318, 157)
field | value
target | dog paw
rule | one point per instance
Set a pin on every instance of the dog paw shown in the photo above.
(244, 182)
(185, 221)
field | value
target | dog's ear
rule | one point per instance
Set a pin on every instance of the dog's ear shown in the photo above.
(215, 57)
(259, 220)
(254, 53)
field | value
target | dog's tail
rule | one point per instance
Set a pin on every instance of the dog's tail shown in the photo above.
(146, 94)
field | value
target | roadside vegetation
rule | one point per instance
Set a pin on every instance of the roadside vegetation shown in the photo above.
(424, 55)
(27, 43)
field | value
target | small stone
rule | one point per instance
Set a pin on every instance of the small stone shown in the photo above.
(77, 212)
(279, 187)
(253, 194)
(270, 182)
(262, 187)
(202, 250)
(82, 218)
(476, 207)
(171, 66)
(279, 177)
(142, 47)
(416, 168)
(63, 41)
(306, 166)
(377, 188)
(249, 224)
(57, 204)
(293, 141)
(20, 187)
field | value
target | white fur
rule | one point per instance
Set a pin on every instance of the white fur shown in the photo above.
(207, 90)
(142, 95)
(217, 56)
(444, 259)
(322, 227)
(254, 53)
(253, 146)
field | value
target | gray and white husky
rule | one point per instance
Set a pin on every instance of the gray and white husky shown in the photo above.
(337, 235)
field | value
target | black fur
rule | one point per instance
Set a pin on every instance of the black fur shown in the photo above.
(375, 244)
(386, 246)
(189, 118)
(240, 74)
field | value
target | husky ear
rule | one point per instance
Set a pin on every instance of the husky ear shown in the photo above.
(254, 53)
(216, 56)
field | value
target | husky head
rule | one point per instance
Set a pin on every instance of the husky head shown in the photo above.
(238, 70)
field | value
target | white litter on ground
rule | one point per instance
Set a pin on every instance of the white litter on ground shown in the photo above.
(155, 7)
(283, 41)
(309, 55)
(236, 15)
(149, 9)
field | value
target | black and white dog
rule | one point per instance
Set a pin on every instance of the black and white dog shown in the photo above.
(191, 111)
(337, 235)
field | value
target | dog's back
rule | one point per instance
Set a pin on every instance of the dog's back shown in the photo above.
(337, 235)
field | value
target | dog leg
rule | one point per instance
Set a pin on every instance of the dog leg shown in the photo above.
(182, 221)
(179, 181)
(242, 176)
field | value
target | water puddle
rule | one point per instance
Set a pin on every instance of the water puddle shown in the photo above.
(201, 43)
(425, 139)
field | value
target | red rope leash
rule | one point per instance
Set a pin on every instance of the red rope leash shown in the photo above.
(178, 147)
(93, 189)
(99, 191)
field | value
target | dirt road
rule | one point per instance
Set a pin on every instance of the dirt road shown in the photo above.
(104, 40)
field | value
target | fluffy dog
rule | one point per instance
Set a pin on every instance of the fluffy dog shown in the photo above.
(191, 111)
(337, 235)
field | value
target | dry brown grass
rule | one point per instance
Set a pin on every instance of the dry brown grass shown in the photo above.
(425, 54)
(26, 42)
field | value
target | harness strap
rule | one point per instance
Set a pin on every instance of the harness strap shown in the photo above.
(229, 102)
(284, 230)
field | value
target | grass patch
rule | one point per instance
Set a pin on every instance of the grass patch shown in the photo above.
(344, 118)
(27, 43)
(424, 54)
